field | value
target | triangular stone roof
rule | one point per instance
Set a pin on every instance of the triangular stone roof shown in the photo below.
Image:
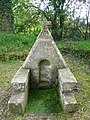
(44, 49)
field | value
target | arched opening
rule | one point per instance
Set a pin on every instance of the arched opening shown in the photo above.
(45, 73)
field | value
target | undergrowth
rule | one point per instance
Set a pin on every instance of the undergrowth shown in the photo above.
(80, 49)
(17, 46)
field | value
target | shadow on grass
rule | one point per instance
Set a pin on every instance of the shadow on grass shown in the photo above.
(44, 101)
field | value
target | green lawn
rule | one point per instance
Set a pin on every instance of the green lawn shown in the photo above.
(17, 46)
(7, 71)
(15, 42)
(44, 101)
(79, 49)
(83, 45)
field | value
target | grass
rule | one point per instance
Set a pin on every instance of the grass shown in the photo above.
(15, 42)
(17, 46)
(7, 71)
(44, 101)
(79, 49)
(76, 45)
(82, 73)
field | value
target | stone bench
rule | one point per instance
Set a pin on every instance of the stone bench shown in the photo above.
(19, 97)
(18, 101)
(67, 81)
(20, 80)
(69, 103)
(67, 84)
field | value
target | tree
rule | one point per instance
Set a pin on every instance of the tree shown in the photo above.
(54, 12)
(61, 13)
(6, 16)
(26, 17)
(87, 20)
(78, 19)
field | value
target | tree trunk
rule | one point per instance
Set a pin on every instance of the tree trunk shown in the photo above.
(54, 30)
(87, 25)
(6, 16)
(89, 30)
(54, 26)
(61, 26)
(61, 22)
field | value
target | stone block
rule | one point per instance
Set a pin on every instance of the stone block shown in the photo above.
(69, 102)
(67, 80)
(20, 80)
(18, 102)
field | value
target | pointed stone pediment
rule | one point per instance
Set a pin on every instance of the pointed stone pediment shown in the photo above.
(44, 49)
(45, 34)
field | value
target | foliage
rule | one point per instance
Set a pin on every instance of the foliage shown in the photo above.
(26, 17)
(22, 16)
(6, 16)
(80, 49)
(17, 46)
(65, 17)
(54, 11)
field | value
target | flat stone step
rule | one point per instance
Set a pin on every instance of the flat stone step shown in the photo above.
(69, 102)
(20, 80)
(67, 80)
(42, 116)
(17, 102)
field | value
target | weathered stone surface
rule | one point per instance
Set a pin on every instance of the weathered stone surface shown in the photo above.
(45, 71)
(44, 49)
(69, 102)
(20, 80)
(67, 84)
(18, 102)
(67, 81)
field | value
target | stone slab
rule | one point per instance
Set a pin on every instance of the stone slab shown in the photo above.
(20, 80)
(69, 102)
(67, 80)
(18, 101)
